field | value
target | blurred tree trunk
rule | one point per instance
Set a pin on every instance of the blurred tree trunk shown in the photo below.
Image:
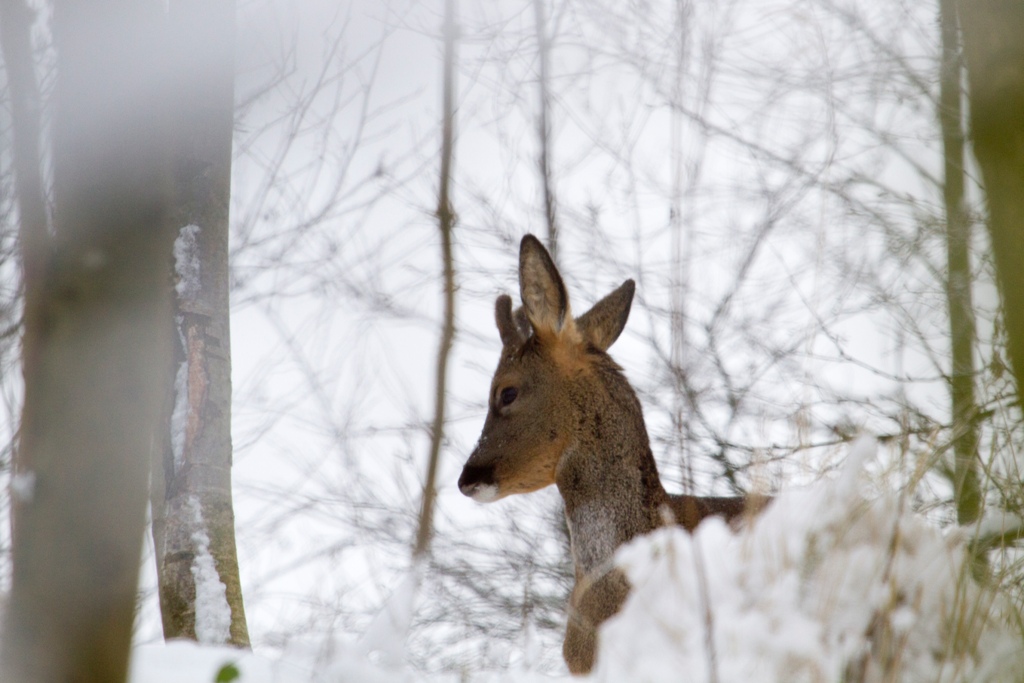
(94, 349)
(193, 515)
(33, 225)
(958, 277)
(994, 52)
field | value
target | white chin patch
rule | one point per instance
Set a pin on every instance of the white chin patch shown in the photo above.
(485, 493)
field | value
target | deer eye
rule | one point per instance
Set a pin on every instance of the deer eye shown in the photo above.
(508, 394)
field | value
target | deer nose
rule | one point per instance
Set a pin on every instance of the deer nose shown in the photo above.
(477, 482)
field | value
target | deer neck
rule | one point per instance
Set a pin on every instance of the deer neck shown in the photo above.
(610, 485)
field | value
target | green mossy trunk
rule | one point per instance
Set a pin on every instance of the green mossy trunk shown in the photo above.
(994, 51)
(958, 277)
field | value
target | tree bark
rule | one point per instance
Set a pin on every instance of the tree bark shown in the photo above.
(193, 515)
(994, 53)
(958, 278)
(93, 351)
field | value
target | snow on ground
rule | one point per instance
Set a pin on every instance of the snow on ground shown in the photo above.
(189, 662)
(825, 585)
(823, 582)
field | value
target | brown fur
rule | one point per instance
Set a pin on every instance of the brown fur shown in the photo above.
(575, 422)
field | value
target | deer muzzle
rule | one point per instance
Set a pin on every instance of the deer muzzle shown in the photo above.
(477, 482)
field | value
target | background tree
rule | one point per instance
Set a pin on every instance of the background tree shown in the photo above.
(958, 273)
(995, 75)
(446, 224)
(193, 516)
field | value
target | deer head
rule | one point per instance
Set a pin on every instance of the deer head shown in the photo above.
(546, 372)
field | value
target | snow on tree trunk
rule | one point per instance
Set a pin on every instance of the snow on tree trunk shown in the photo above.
(193, 514)
(213, 614)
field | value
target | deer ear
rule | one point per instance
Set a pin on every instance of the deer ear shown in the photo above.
(544, 297)
(522, 322)
(509, 325)
(603, 323)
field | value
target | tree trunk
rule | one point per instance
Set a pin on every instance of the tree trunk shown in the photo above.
(93, 352)
(193, 515)
(33, 225)
(958, 278)
(994, 52)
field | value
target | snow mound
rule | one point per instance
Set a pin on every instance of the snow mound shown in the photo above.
(824, 585)
(190, 662)
(185, 661)
(387, 633)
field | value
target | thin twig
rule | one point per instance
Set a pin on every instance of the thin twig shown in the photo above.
(446, 221)
(544, 129)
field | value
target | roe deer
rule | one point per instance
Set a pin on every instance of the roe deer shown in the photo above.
(562, 412)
